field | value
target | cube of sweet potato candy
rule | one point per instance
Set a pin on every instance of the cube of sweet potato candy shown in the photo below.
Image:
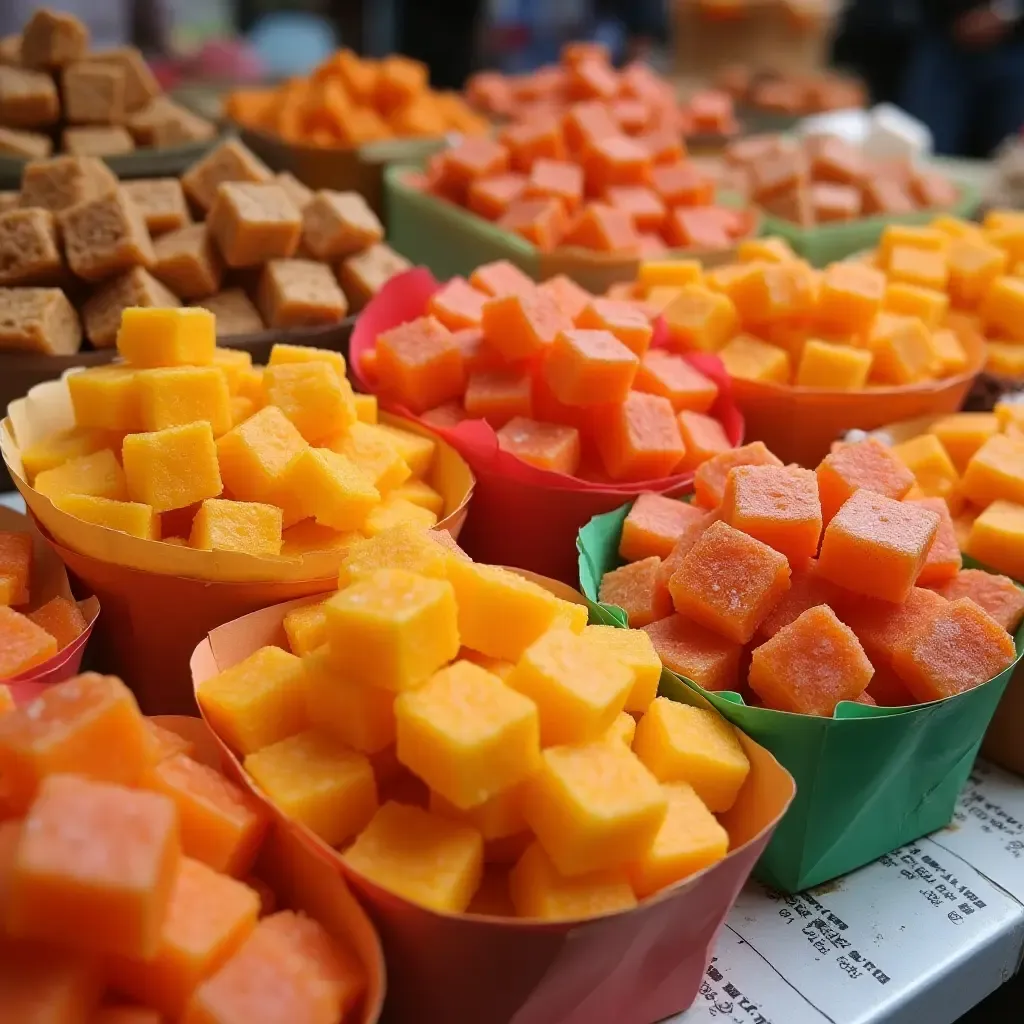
(93, 93)
(973, 265)
(253, 223)
(902, 349)
(944, 559)
(700, 319)
(777, 505)
(593, 807)
(230, 161)
(837, 367)
(56, 987)
(28, 244)
(1001, 307)
(254, 455)
(363, 274)
(850, 296)
(56, 449)
(282, 353)
(703, 438)
(16, 566)
(419, 493)
(97, 141)
(638, 591)
(394, 511)
(420, 364)
(995, 472)
(151, 338)
(633, 649)
(392, 629)
(174, 396)
(750, 358)
(542, 222)
(95, 867)
(39, 320)
(672, 377)
(695, 652)
(161, 202)
(64, 181)
(403, 547)
(519, 327)
(622, 729)
(172, 468)
(188, 262)
(105, 236)
(24, 644)
(640, 439)
(318, 783)
(209, 917)
(995, 538)
(603, 228)
(929, 305)
(498, 396)
(710, 477)
(883, 627)
(961, 647)
(306, 628)
(106, 398)
(339, 224)
(165, 743)
(29, 98)
(998, 595)
(490, 197)
(373, 452)
(501, 278)
(499, 612)
(53, 40)
(98, 475)
(104, 309)
(422, 857)
(625, 320)
(868, 464)
(653, 526)
(62, 619)
(963, 434)
(876, 546)
(548, 446)
(312, 396)
(457, 304)
(329, 487)
(243, 526)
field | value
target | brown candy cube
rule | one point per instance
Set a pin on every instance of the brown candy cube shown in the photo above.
(9, 201)
(297, 192)
(180, 127)
(28, 99)
(104, 236)
(230, 161)
(300, 293)
(188, 262)
(65, 181)
(53, 40)
(161, 202)
(28, 247)
(364, 274)
(38, 320)
(10, 50)
(140, 83)
(234, 312)
(338, 224)
(29, 144)
(94, 93)
(108, 140)
(101, 313)
(254, 223)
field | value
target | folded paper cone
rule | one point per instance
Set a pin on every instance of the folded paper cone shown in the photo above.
(521, 515)
(633, 967)
(300, 879)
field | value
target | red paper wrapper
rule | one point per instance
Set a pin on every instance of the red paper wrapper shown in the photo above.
(515, 518)
(633, 967)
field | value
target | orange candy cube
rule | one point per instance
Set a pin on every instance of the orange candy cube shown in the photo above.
(95, 867)
(851, 295)
(62, 619)
(15, 567)
(556, 179)
(533, 140)
(501, 278)
(653, 526)
(807, 589)
(48, 986)
(586, 124)
(998, 595)
(729, 582)
(703, 437)
(697, 653)
(623, 319)
(637, 589)
(540, 221)
(868, 464)
(811, 665)
(420, 364)
(672, 377)
(490, 198)
(883, 627)
(457, 305)
(709, 480)
(960, 648)
(682, 184)
(876, 546)
(944, 559)
(640, 438)
(570, 298)
(605, 229)
(519, 327)
(698, 227)
(478, 157)
(23, 644)
(498, 396)
(586, 368)
(642, 203)
(548, 446)
(615, 160)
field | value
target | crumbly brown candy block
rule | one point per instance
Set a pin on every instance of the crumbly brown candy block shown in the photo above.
(28, 247)
(180, 127)
(140, 83)
(230, 161)
(10, 50)
(234, 312)
(161, 202)
(143, 121)
(38, 320)
(53, 40)
(364, 274)
(9, 201)
(28, 99)
(65, 181)
(297, 192)
(101, 313)
(104, 236)
(188, 262)
(300, 293)
(338, 224)
(30, 144)
(254, 223)
(94, 93)
(105, 140)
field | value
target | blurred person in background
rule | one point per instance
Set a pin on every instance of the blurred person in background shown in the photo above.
(630, 28)
(875, 39)
(442, 34)
(143, 23)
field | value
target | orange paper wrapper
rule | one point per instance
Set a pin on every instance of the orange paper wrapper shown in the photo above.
(301, 880)
(521, 516)
(633, 967)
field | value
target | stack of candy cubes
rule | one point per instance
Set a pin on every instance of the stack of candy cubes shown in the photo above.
(190, 444)
(772, 318)
(568, 380)
(803, 588)
(126, 891)
(468, 742)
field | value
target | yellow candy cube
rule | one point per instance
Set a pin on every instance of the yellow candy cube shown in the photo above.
(923, 267)
(764, 250)
(836, 367)
(151, 337)
(497, 818)
(577, 687)
(404, 547)
(312, 397)
(593, 807)
(955, 227)
(850, 297)
(950, 356)
(467, 735)
(392, 629)
(393, 512)
(689, 840)
(55, 450)
(356, 714)
(671, 273)
(420, 856)
(254, 455)
(317, 782)
(1004, 359)
(497, 667)
(129, 517)
(374, 453)
(420, 494)
(995, 472)
(750, 358)
(680, 743)
(963, 433)
(245, 526)
(632, 648)
(700, 319)
(172, 468)
(973, 266)
(282, 354)
(241, 409)
(622, 730)
(176, 395)
(539, 891)
(902, 349)
(366, 408)
(329, 487)
(500, 613)
(660, 297)
(1009, 413)
(927, 304)
(306, 628)
(99, 475)
(907, 236)
(257, 702)
(250, 385)
(571, 616)
(1002, 308)
(416, 449)
(997, 538)
(1010, 239)
(926, 457)
(1000, 218)
(234, 364)
(106, 398)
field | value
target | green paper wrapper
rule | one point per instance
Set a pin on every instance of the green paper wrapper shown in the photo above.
(868, 780)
